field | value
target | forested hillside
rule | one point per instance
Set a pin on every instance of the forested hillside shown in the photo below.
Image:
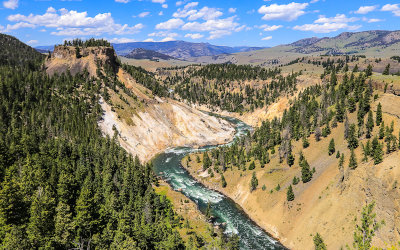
(234, 88)
(63, 184)
(15, 53)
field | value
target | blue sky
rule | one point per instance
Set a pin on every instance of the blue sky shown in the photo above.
(222, 22)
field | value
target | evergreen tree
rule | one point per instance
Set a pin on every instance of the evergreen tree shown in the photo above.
(223, 181)
(254, 182)
(341, 161)
(366, 231)
(377, 153)
(306, 143)
(206, 161)
(290, 159)
(387, 70)
(370, 124)
(331, 148)
(368, 71)
(352, 139)
(319, 242)
(208, 211)
(290, 194)
(353, 160)
(382, 130)
(252, 165)
(306, 173)
(379, 114)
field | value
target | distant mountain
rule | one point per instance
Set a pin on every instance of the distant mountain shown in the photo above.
(141, 53)
(176, 49)
(348, 42)
(181, 49)
(374, 43)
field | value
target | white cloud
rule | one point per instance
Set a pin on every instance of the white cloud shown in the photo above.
(168, 39)
(212, 25)
(172, 23)
(339, 18)
(11, 27)
(365, 9)
(122, 1)
(192, 14)
(71, 23)
(232, 10)
(31, 42)
(160, 13)
(194, 35)
(325, 27)
(144, 14)
(163, 34)
(266, 27)
(286, 12)
(394, 8)
(10, 4)
(267, 38)
(121, 40)
(164, 6)
(329, 24)
(375, 20)
(149, 40)
(158, 1)
(218, 33)
(51, 10)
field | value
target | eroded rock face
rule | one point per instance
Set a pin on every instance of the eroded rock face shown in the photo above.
(166, 125)
(66, 58)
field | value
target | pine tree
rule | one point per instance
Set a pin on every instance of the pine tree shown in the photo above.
(252, 165)
(379, 114)
(370, 124)
(319, 242)
(206, 161)
(352, 139)
(341, 161)
(353, 160)
(208, 210)
(223, 181)
(382, 130)
(295, 180)
(40, 225)
(254, 182)
(338, 154)
(290, 159)
(306, 174)
(378, 153)
(306, 143)
(290, 194)
(387, 70)
(366, 231)
(368, 71)
(331, 148)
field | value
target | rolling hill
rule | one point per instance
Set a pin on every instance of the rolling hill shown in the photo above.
(374, 43)
(140, 53)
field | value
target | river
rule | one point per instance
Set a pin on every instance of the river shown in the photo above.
(168, 166)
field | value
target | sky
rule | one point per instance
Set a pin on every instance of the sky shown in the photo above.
(221, 22)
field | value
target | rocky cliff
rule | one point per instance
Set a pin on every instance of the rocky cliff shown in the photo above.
(76, 59)
(146, 124)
